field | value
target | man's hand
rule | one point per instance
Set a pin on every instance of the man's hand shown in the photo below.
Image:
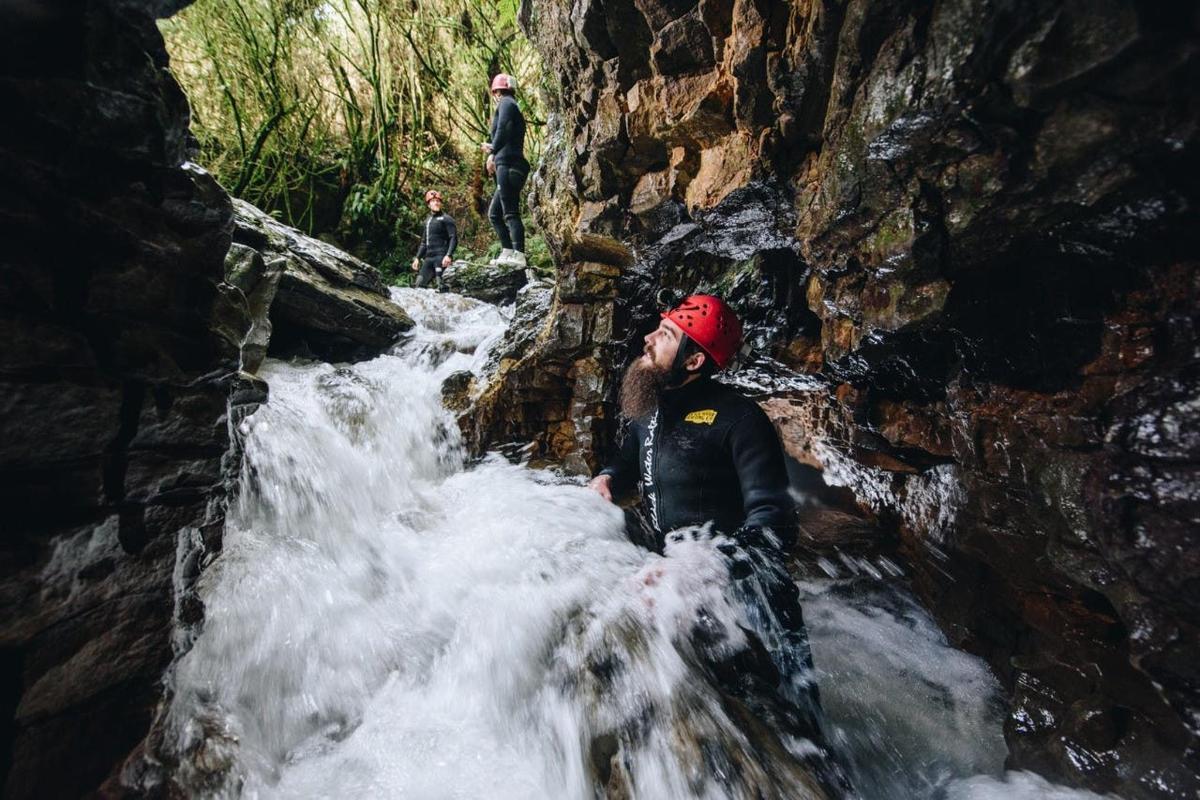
(491, 165)
(652, 576)
(416, 264)
(445, 261)
(486, 147)
(602, 485)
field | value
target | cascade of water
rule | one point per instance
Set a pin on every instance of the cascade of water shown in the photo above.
(386, 621)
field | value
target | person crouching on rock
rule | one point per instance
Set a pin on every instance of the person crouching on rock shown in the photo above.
(437, 243)
(700, 452)
(506, 161)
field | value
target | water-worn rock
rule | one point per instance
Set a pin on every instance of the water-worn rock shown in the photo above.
(246, 269)
(456, 390)
(120, 357)
(544, 382)
(490, 282)
(317, 299)
(974, 222)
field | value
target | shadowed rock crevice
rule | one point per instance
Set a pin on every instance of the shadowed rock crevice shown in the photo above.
(111, 303)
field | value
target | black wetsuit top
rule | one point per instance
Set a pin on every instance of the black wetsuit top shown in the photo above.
(440, 238)
(707, 453)
(508, 135)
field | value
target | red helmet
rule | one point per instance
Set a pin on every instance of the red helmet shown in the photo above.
(431, 194)
(710, 323)
(503, 81)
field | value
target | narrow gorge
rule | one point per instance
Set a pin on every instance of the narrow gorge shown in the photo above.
(963, 238)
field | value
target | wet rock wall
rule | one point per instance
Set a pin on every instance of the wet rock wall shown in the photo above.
(136, 302)
(969, 223)
(120, 358)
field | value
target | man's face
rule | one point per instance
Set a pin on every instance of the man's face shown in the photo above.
(435, 204)
(662, 344)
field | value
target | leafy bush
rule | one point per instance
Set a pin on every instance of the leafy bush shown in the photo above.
(537, 255)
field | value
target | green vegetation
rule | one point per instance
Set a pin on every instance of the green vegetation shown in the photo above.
(537, 255)
(336, 115)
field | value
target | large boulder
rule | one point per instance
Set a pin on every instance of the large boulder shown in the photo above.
(319, 300)
(490, 282)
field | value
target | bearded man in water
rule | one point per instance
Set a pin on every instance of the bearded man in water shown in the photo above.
(702, 454)
(698, 450)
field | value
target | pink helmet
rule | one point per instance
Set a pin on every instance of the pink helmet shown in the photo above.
(503, 81)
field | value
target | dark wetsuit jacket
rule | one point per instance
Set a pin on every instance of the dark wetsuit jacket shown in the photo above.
(508, 135)
(707, 453)
(440, 238)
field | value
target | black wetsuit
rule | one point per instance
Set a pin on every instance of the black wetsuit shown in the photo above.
(508, 153)
(439, 240)
(710, 454)
(707, 453)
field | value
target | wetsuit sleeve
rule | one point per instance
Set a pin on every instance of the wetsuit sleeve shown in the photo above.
(762, 474)
(424, 235)
(451, 235)
(624, 469)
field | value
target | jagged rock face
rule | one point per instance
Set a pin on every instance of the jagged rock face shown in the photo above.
(120, 354)
(306, 296)
(546, 382)
(971, 220)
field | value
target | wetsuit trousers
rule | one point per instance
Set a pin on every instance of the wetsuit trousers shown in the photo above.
(431, 271)
(772, 675)
(761, 586)
(505, 208)
(765, 591)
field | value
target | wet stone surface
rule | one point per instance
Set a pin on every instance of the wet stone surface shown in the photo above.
(972, 225)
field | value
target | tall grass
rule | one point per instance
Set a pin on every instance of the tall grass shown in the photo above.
(336, 115)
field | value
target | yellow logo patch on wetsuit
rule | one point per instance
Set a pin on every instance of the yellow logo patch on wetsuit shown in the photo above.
(705, 417)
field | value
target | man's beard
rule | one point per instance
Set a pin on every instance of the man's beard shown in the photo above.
(641, 388)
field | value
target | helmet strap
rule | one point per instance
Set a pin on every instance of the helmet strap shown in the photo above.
(679, 373)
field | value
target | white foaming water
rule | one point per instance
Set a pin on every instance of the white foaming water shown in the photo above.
(1016, 786)
(911, 717)
(450, 326)
(909, 712)
(383, 622)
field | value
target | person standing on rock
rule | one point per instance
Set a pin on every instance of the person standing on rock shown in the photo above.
(437, 243)
(506, 161)
(700, 452)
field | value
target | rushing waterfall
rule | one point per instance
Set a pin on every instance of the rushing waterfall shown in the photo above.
(388, 621)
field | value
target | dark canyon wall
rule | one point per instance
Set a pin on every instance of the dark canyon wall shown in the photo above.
(120, 351)
(972, 223)
(131, 330)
